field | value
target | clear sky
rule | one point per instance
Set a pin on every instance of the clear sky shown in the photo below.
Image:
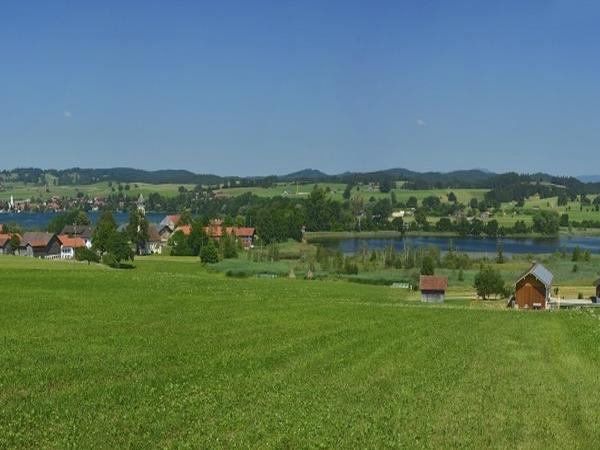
(259, 87)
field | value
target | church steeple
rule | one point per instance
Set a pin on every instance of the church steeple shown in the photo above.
(141, 205)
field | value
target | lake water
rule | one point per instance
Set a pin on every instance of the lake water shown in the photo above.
(39, 221)
(469, 244)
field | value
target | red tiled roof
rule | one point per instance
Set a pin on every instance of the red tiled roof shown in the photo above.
(185, 229)
(213, 231)
(433, 283)
(73, 242)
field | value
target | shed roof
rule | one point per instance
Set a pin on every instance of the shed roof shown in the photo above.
(84, 231)
(153, 235)
(433, 283)
(4, 238)
(597, 282)
(36, 239)
(541, 273)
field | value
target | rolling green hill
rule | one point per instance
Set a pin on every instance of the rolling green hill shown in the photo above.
(168, 355)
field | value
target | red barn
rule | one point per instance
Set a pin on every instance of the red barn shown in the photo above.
(533, 288)
(433, 289)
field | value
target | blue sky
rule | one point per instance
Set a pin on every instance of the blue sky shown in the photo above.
(260, 87)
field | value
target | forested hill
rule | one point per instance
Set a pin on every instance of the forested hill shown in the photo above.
(476, 178)
(79, 176)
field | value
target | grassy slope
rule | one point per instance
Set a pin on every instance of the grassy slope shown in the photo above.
(337, 190)
(167, 355)
(22, 191)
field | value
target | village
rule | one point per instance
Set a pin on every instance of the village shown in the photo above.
(533, 289)
(63, 245)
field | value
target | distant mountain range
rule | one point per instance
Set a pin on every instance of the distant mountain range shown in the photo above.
(479, 178)
(589, 178)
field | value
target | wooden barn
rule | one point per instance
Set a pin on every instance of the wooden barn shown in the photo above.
(533, 288)
(41, 244)
(433, 289)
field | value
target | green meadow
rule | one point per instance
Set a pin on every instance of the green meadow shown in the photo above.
(336, 191)
(170, 355)
(21, 191)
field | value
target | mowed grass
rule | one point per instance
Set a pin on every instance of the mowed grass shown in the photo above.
(336, 191)
(21, 191)
(167, 355)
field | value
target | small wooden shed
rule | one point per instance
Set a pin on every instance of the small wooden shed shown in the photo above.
(533, 288)
(597, 284)
(433, 288)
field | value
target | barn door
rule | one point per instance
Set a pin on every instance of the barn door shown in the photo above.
(529, 295)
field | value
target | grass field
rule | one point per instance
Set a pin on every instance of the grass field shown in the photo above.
(168, 355)
(337, 190)
(21, 191)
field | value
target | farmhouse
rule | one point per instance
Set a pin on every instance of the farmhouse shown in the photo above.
(154, 244)
(167, 226)
(215, 230)
(39, 245)
(68, 245)
(243, 234)
(84, 232)
(5, 244)
(433, 288)
(533, 288)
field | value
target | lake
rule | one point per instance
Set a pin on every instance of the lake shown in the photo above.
(40, 221)
(469, 244)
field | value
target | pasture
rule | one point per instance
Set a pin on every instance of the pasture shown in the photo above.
(169, 355)
(22, 191)
(336, 191)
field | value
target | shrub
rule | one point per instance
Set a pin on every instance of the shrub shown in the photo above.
(109, 260)
(85, 254)
(350, 268)
(489, 282)
(209, 253)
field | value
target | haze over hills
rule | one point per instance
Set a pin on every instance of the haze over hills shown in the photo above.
(507, 183)
(589, 178)
(479, 178)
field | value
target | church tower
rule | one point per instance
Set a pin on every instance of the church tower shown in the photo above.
(141, 205)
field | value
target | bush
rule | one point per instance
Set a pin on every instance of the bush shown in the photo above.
(489, 282)
(109, 260)
(85, 254)
(209, 253)
(350, 268)
(238, 273)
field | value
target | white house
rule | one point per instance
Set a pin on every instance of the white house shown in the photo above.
(68, 245)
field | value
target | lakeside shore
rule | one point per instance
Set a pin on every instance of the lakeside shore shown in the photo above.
(312, 236)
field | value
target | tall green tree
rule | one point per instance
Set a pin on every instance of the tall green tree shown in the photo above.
(209, 253)
(137, 230)
(427, 266)
(179, 244)
(74, 217)
(488, 282)
(120, 247)
(197, 238)
(546, 222)
(15, 243)
(104, 232)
